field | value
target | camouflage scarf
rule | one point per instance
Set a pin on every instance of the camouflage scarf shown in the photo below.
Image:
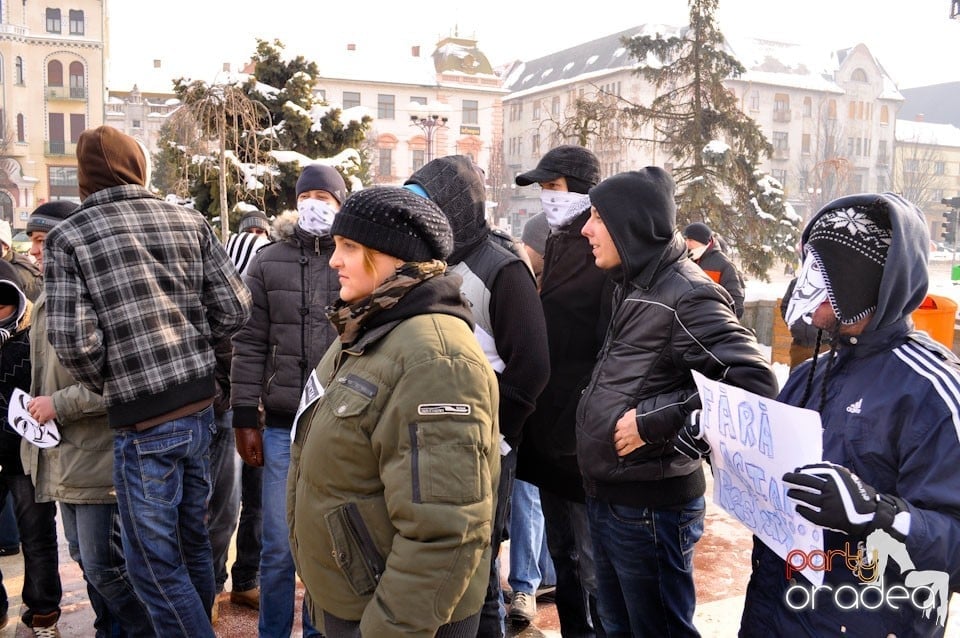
(350, 319)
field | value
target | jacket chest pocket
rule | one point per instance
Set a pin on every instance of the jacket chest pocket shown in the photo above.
(349, 395)
(354, 549)
(447, 463)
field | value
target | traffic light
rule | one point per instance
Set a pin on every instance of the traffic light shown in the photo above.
(950, 227)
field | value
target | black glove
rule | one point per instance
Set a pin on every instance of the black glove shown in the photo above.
(833, 497)
(689, 440)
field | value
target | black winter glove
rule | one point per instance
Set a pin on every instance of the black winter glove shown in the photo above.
(689, 440)
(831, 496)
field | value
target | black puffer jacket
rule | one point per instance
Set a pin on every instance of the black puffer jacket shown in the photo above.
(669, 318)
(291, 283)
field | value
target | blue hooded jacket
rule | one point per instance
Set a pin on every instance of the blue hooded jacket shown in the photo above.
(890, 408)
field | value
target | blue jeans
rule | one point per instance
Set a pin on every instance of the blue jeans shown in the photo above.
(644, 563)
(571, 548)
(162, 476)
(9, 536)
(37, 523)
(93, 536)
(530, 562)
(492, 614)
(224, 494)
(277, 572)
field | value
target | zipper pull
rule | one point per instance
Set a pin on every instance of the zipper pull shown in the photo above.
(316, 245)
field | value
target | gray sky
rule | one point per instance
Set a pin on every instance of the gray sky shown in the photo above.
(914, 40)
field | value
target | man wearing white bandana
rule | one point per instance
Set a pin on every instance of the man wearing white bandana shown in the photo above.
(576, 298)
(889, 400)
(291, 283)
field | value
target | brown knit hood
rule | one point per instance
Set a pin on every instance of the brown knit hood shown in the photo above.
(107, 157)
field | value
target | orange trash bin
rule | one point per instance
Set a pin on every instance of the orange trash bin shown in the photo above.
(936, 316)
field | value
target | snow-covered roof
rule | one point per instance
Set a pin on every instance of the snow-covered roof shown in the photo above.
(913, 132)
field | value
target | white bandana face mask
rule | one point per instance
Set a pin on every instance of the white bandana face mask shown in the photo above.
(809, 292)
(562, 207)
(316, 216)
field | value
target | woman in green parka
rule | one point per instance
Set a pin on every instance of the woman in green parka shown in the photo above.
(395, 457)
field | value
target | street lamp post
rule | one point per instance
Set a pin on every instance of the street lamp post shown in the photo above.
(429, 118)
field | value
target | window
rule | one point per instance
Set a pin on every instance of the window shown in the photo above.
(422, 101)
(805, 144)
(53, 20)
(832, 110)
(385, 165)
(135, 124)
(78, 123)
(807, 107)
(320, 95)
(939, 167)
(418, 159)
(76, 22)
(755, 100)
(884, 116)
(63, 176)
(780, 175)
(780, 141)
(781, 102)
(54, 73)
(471, 112)
(858, 75)
(21, 129)
(536, 110)
(351, 99)
(882, 157)
(911, 165)
(535, 144)
(386, 106)
(77, 89)
(18, 71)
(852, 110)
(555, 106)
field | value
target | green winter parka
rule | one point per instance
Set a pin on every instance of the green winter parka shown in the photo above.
(79, 469)
(393, 475)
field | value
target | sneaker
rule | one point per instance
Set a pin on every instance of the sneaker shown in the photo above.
(523, 608)
(45, 625)
(248, 598)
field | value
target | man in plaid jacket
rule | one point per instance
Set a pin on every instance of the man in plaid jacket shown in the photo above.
(138, 292)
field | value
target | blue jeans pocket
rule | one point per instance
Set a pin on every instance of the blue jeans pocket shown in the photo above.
(690, 528)
(158, 458)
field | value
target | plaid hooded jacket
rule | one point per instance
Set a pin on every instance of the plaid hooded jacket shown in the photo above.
(138, 289)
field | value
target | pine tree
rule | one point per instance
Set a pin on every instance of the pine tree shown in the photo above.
(716, 149)
(300, 122)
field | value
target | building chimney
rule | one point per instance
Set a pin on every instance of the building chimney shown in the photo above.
(351, 47)
(226, 67)
(156, 64)
(415, 51)
(918, 117)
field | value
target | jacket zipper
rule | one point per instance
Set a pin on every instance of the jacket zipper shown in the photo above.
(361, 535)
(273, 358)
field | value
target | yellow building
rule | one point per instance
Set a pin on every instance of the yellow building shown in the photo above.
(52, 58)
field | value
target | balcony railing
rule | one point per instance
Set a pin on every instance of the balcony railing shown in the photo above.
(781, 115)
(781, 153)
(60, 148)
(66, 92)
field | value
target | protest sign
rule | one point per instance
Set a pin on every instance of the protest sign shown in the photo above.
(754, 441)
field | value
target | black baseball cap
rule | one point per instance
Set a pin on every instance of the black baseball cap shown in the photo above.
(568, 160)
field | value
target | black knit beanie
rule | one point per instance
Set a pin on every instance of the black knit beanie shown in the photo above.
(317, 177)
(396, 222)
(698, 231)
(48, 215)
(851, 245)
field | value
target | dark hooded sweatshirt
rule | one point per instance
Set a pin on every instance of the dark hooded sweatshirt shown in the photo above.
(500, 287)
(669, 318)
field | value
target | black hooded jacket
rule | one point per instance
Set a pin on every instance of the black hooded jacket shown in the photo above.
(500, 287)
(669, 318)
